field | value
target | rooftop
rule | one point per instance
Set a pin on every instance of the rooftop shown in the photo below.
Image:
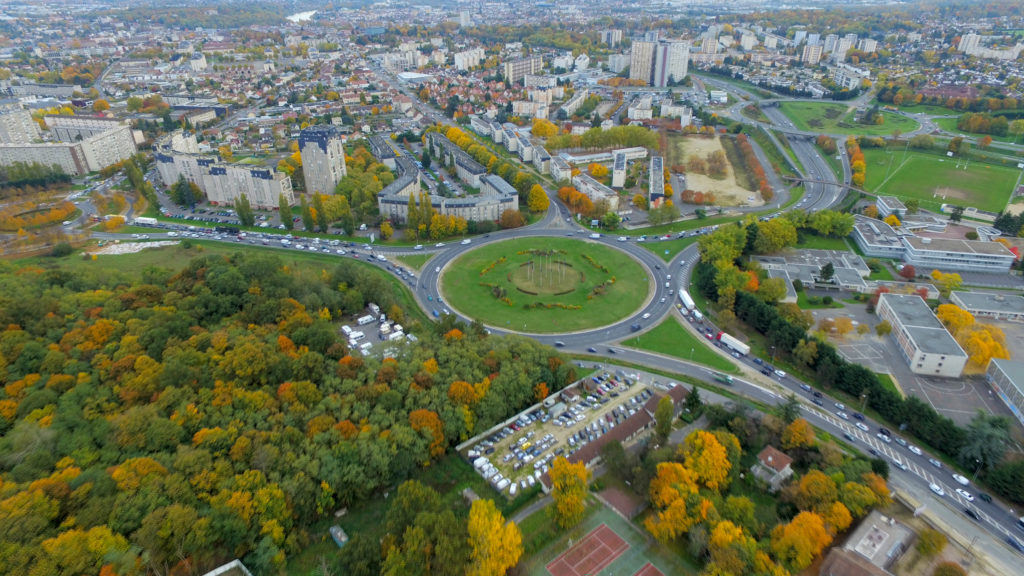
(988, 302)
(1013, 370)
(921, 324)
(880, 539)
(773, 458)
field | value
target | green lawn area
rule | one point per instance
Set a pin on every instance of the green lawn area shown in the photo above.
(668, 249)
(815, 242)
(672, 338)
(886, 381)
(175, 257)
(560, 278)
(933, 179)
(882, 274)
(414, 261)
(830, 118)
(923, 109)
(803, 301)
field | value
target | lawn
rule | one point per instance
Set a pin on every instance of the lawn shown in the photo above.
(829, 118)
(804, 302)
(568, 284)
(934, 179)
(815, 242)
(672, 338)
(414, 261)
(668, 249)
(175, 257)
(927, 109)
(949, 124)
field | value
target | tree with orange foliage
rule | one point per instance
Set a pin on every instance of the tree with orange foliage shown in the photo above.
(541, 391)
(799, 434)
(797, 543)
(753, 283)
(569, 491)
(453, 334)
(427, 420)
(815, 491)
(597, 170)
(670, 491)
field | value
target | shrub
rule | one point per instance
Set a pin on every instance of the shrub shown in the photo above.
(62, 249)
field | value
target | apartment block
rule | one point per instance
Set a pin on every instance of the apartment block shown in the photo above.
(323, 158)
(515, 70)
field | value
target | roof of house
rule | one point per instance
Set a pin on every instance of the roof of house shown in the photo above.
(773, 458)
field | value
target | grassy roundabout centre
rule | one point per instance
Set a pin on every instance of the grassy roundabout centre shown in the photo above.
(545, 285)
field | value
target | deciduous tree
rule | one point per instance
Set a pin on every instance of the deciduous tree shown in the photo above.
(569, 491)
(707, 458)
(495, 545)
(798, 542)
(799, 434)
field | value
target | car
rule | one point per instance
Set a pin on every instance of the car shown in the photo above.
(873, 452)
(937, 489)
(961, 480)
(611, 351)
(985, 497)
(464, 242)
(780, 373)
(559, 344)
(899, 463)
(818, 401)
(437, 269)
(914, 449)
(858, 416)
(849, 437)
(622, 238)
(935, 462)
(972, 514)
(1015, 544)
(965, 494)
(842, 415)
(646, 315)
(418, 247)
(439, 245)
(840, 406)
(592, 350)
(803, 387)
(884, 438)
(900, 441)
(861, 427)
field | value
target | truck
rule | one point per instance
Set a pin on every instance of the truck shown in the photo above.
(723, 378)
(364, 320)
(685, 298)
(356, 336)
(395, 336)
(373, 308)
(697, 315)
(145, 221)
(733, 343)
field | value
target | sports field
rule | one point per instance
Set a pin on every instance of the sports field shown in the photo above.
(934, 180)
(545, 285)
(838, 118)
(604, 544)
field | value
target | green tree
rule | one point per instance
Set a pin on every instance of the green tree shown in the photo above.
(985, 442)
(930, 542)
(827, 272)
(663, 418)
(346, 220)
(285, 211)
(806, 351)
(913, 205)
(693, 401)
(611, 220)
(412, 222)
(884, 328)
(244, 210)
(425, 158)
(307, 215)
(321, 214)
(790, 409)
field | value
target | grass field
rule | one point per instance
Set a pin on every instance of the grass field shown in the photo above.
(949, 124)
(815, 242)
(414, 261)
(804, 302)
(567, 280)
(667, 249)
(934, 179)
(832, 118)
(672, 338)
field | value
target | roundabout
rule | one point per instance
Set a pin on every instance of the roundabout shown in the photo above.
(545, 285)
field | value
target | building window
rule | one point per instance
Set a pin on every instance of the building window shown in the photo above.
(920, 365)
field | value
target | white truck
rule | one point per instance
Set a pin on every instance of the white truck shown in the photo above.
(145, 221)
(733, 343)
(364, 320)
(356, 336)
(685, 298)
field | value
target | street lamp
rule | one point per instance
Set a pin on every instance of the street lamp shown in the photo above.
(773, 354)
(691, 354)
(978, 469)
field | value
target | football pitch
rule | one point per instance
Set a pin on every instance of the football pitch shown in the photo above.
(935, 180)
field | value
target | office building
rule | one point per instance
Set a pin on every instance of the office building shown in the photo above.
(221, 182)
(926, 345)
(323, 158)
(1006, 377)
(515, 70)
(16, 124)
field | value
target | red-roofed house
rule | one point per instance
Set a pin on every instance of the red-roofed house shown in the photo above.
(773, 466)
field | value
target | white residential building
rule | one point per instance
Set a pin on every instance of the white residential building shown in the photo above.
(468, 59)
(323, 158)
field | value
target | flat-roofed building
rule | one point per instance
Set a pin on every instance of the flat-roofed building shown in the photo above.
(541, 160)
(596, 191)
(1006, 377)
(991, 305)
(515, 70)
(560, 169)
(495, 197)
(323, 158)
(618, 170)
(891, 205)
(879, 240)
(656, 181)
(16, 124)
(927, 346)
(382, 151)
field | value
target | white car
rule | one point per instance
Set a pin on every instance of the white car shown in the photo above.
(861, 426)
(842, 415)
(899, 463)
(961, 480)
(965, 494)
(622, 238)
(937, 489)
(464, 242)
(914, 449)
(437, 269)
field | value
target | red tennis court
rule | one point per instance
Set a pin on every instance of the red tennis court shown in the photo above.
(590, 555)
(648, 570)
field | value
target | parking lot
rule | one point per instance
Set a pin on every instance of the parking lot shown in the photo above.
(516, 456)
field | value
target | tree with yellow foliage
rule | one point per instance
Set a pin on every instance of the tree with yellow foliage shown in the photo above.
(799, 434)
(569, 491)
(947, 282)
(705, 456)
(543, 128)
(495, 545)
(843, 326)
(537, 201)
(892, 220)
(871, 211)
(670, 492)
(597, 170)
(797, 543)
(982, 342)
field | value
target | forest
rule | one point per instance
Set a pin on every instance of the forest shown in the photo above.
(171, 420)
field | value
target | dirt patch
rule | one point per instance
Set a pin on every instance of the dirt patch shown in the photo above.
(947, 193)
(727, 191)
